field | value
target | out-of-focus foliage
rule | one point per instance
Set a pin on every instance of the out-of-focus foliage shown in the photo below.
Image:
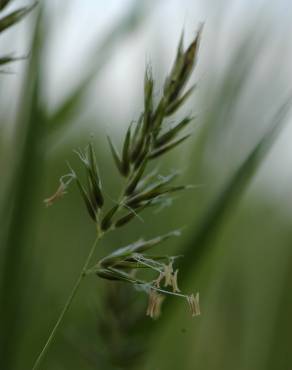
(237, 239)
(9, 21)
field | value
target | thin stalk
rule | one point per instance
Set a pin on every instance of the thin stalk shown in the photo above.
(67, 304)
(74, 290)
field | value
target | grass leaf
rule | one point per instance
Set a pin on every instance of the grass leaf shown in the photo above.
(230, 195)
(14, 17)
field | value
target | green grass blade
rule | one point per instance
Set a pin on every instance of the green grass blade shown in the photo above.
(230, 195)
(4, 3)
(14, 17)
(15, 248)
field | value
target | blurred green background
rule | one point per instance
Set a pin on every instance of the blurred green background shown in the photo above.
(82, 78)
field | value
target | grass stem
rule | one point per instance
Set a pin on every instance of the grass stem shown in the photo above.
(67, 304)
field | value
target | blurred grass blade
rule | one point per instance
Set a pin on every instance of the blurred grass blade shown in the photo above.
(5, 59)
(127, 25)
(14, 17)
(16, 250)
(231, 194)
(4, 3)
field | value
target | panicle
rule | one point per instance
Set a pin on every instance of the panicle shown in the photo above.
(144, 141)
